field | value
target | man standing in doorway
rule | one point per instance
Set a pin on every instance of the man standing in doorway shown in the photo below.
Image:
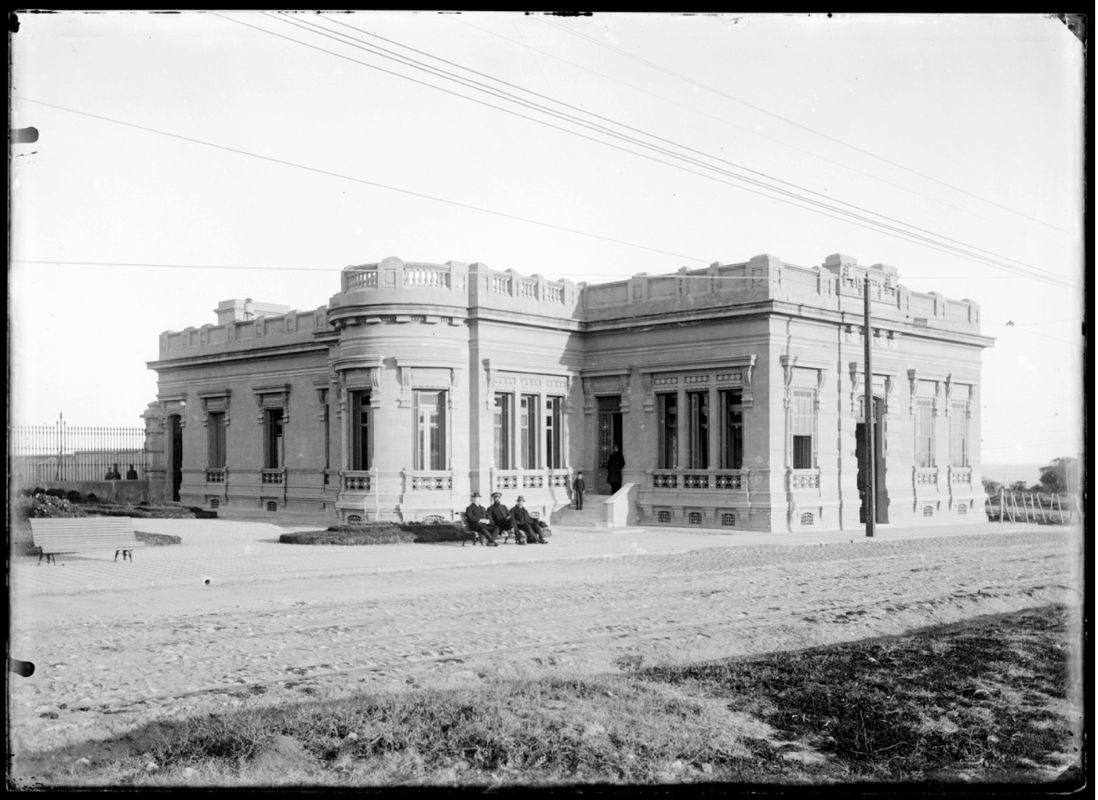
(614, 465)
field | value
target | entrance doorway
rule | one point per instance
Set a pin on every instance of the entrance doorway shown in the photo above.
(879, 470)
(175, 431)
(609, 423)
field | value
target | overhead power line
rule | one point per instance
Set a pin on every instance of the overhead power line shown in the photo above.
(914, 235)
(363, 181)
(724, 120)
(794, 123)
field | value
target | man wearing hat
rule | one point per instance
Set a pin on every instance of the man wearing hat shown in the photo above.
(524, 523)
(501, 518)
(478, 519)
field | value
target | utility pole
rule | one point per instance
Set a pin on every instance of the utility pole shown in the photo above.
(870, 443)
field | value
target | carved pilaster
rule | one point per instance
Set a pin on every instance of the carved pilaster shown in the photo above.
(490, 393)
(787, 362)
(649, 393)
(588, 397)
(948, 390)
(747, 399)
(404, 377)
(625, 381)
(911, 393)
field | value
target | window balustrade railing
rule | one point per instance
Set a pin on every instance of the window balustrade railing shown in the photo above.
(430, 480)
(216, 474)
(722, 479)
(961, 475)
(505, 479)
(926, 476)
(804, 479)
(356, 481)
(275, 476)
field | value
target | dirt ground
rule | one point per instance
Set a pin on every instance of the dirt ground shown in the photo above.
(106, 664)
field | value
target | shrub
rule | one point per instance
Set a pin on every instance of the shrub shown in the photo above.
(91, 498)
(46, 505)
(378, 533)
(74, 496)
(58, 493)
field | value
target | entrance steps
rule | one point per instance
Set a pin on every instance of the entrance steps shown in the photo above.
(591, 516)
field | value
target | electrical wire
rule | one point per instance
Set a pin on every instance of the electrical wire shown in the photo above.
(363, 181)
(889, 229)
(687, 148)
(873, 176)
(794, 123)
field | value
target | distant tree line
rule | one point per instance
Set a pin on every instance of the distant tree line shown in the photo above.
(1059, 477)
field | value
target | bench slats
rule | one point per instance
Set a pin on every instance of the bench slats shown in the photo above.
(84, 534)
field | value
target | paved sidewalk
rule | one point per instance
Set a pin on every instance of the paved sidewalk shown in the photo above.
(233, 552)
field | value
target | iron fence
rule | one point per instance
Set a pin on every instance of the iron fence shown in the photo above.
(59, 452)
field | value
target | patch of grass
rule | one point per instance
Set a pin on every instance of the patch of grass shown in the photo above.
(984, 701)
(157, 539)
(378, 533)
(972, 695)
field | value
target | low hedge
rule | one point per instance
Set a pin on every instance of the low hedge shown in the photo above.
(378, 533)
(147, 511)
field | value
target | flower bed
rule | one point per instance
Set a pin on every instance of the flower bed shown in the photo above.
(378, 533)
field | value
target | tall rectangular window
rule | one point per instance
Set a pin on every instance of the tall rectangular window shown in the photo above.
(430, 449)
(273, 456)
(698, 451)
(528, 431)
(667, 429)
(553, 432)
(215, 443)
(731, 429)
(803, 422)
(958, 435)
(502, 430)
(924, 433)
(361, 452)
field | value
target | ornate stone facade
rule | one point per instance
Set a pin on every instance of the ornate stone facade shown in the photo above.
(736, 393)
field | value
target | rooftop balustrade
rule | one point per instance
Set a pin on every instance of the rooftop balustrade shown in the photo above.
(838, 285)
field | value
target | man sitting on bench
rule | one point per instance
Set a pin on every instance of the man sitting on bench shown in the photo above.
(526, 524)
(500, 517)
(477, 517)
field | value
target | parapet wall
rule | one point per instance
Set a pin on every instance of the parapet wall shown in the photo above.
(467, 290)
(260, 332)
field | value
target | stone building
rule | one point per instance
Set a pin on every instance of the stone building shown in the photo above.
(735, 392)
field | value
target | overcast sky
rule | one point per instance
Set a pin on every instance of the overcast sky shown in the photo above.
(275, 145)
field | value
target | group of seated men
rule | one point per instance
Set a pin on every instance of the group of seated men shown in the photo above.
(488, 523)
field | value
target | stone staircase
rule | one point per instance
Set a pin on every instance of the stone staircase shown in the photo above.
(592, 516)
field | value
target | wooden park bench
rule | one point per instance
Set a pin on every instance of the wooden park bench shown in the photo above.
(471, 534)
(55, 536)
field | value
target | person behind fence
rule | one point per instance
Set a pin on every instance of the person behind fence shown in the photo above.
(500, 517)
(614, 465)
(578, 488)
(526, 524)
(477, 517)
(131, 473)
(113, 474)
